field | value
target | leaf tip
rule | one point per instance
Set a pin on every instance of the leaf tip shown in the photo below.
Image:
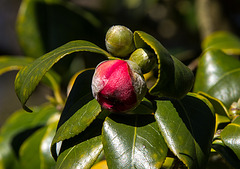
(27, 109)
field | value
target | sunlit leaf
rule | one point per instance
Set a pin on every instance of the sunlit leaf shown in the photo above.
(78, 122)
(225, 41)
(29, 77)
(82, 150)
(100, 165)
(82, 155)
(174, 78)
(231, 136)
(187, 125)
(133, 141)
(218, 75)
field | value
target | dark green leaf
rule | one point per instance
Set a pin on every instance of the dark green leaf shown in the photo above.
(218, 75)
(226, 153)
(28, 78)
(82, 155)
(231, 136)
(220, 110)
(133, 141)
(225, 41)
(174, 78)
(187, 125)
(80, 109)
(145, 107)
(80, 94)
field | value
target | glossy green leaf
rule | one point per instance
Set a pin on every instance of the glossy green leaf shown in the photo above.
(78, 122)
(188, 126)
(82, 150)
(218, 75)
(174, 78)
(225, 41)
(82, 155)
(226, 153)
(19, 122)
(231, 136)
(35, 151)
(220, 110)
(29, 77)
(133, 141)
(8, 63)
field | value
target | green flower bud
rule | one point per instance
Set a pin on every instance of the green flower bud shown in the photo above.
(144, 58)
(234, 110)
(119, 41)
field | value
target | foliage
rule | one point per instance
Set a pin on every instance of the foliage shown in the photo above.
(174, 125)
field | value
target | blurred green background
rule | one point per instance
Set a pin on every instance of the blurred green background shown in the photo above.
(33, 27)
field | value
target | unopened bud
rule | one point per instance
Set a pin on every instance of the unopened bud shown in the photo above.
(234, 109)
(118, 85)
(119, 41)
(145, 59)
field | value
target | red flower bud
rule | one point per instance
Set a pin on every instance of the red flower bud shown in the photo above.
(118, 85)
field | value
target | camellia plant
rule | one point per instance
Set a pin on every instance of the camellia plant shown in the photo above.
(113, 113)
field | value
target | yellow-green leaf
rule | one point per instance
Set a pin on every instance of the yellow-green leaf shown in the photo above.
(9, 63)
(29, 77)
(225, 41)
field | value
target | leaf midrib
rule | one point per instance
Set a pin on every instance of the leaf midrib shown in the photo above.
(134, 141)
(70, 50)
